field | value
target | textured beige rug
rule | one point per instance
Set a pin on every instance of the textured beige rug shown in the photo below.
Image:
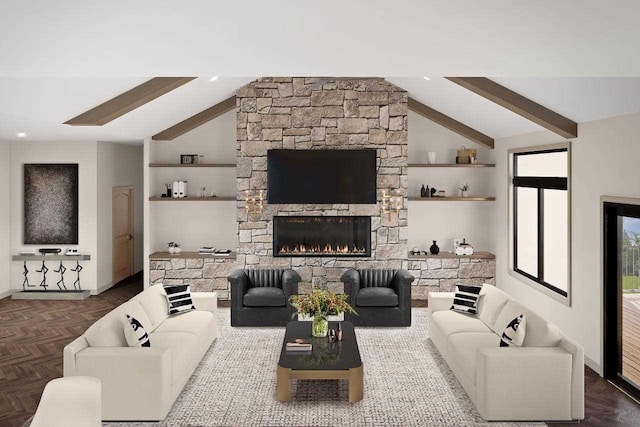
(406, 384)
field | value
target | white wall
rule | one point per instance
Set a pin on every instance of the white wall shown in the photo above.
(118, 165)
(605, 156)
(444, 221)
(5, 222)
(195, 224)
(83, 153)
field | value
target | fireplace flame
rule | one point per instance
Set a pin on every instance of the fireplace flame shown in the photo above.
(302, 249)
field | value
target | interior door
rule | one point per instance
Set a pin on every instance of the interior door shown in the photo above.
(123, 241)
(622, 295)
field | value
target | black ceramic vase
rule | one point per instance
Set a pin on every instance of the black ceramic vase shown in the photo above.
(434, 249)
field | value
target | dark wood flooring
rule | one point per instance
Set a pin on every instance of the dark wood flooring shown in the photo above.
(33, 334)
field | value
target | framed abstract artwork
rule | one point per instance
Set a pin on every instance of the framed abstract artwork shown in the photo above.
(51, 204)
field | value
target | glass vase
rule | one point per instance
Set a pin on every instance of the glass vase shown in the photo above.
(319, 327)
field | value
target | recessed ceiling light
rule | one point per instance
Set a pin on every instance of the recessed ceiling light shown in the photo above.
(213, 79)
(426, 78)
(21, 134)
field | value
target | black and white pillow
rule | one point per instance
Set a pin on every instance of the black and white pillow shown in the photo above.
(465, 299)
(179, 298)
(513, 335)
(136, 335)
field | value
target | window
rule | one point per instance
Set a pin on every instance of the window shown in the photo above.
(540, 218)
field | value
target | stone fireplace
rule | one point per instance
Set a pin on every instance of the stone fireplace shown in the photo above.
(321, 114)
(322, 236)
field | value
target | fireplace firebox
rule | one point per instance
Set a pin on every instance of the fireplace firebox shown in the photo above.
(317, 236)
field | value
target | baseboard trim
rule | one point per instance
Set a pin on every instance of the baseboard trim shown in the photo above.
(102, 288)
(593, 365)
(6, 294)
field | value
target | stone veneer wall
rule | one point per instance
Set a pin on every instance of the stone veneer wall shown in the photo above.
(322, 114)
(442, 275)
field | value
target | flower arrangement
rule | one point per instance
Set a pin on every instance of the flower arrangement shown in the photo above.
(465, 187)
(319, 304)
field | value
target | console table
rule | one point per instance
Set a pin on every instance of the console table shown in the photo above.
(45, 290)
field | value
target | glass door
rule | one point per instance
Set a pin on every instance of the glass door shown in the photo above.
(622, 295)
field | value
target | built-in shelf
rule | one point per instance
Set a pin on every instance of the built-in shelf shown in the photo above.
(451, 165)
(452, 199)
(192, 199)
(450, 255)
(197, 165)
(190, 255)
(57, 257)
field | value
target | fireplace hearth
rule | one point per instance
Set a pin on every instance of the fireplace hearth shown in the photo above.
(317, 236)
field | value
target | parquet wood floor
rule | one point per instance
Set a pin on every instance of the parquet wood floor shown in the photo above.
(33, 334)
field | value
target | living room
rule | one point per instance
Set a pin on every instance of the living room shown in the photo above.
(325, 237)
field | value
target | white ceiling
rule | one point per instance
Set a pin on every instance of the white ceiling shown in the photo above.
(39, 106)
(58, 59)
(331, 37)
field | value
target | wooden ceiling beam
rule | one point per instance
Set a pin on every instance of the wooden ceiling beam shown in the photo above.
(196, 120)
(128, 101)
(519, 104)
(450, 123)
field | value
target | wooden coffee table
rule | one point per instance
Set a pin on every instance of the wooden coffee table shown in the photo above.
(328, 361)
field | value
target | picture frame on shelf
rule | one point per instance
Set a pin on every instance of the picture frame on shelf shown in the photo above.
(189, 159)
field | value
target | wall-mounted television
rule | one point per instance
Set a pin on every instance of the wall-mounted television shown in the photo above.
(321, 176)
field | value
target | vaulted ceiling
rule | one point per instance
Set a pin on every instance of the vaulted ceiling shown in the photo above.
(40, 106)
(60, 59)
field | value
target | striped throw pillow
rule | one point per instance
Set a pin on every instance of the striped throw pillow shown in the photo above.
(513, 335)
(465, 299)
(136, 335)
(179, 298)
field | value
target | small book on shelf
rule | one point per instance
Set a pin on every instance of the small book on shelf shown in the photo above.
(223, 252)
(207, 250)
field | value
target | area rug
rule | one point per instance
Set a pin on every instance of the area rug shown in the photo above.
(406, 383)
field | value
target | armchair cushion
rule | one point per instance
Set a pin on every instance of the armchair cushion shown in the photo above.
(265, 297)
(377, 297)
(376, 278)
(265, 278)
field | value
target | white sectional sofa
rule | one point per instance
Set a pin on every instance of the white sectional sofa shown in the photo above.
(542, 380)
(142, 383)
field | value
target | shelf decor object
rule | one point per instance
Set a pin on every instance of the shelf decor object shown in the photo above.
(254, 202)
(391, 201)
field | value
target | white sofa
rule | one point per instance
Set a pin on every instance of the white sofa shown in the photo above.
(68, 402)
(542, 380)
(141, 383)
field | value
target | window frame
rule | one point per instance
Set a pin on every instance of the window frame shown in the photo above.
(540, 184)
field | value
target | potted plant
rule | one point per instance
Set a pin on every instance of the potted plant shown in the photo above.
(464, 190)
(318, 305)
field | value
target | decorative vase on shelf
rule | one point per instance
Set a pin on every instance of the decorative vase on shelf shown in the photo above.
(434, 249)
(431, 157)
(464, 193)
(319, 327)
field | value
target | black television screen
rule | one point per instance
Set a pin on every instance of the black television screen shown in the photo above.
(321, 176)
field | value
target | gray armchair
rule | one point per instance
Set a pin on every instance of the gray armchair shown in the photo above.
(381, 297)
(261, 297)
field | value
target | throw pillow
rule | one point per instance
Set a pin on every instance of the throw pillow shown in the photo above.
(513, 335)
(465, 299)
(135, 333)
(179, 298)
